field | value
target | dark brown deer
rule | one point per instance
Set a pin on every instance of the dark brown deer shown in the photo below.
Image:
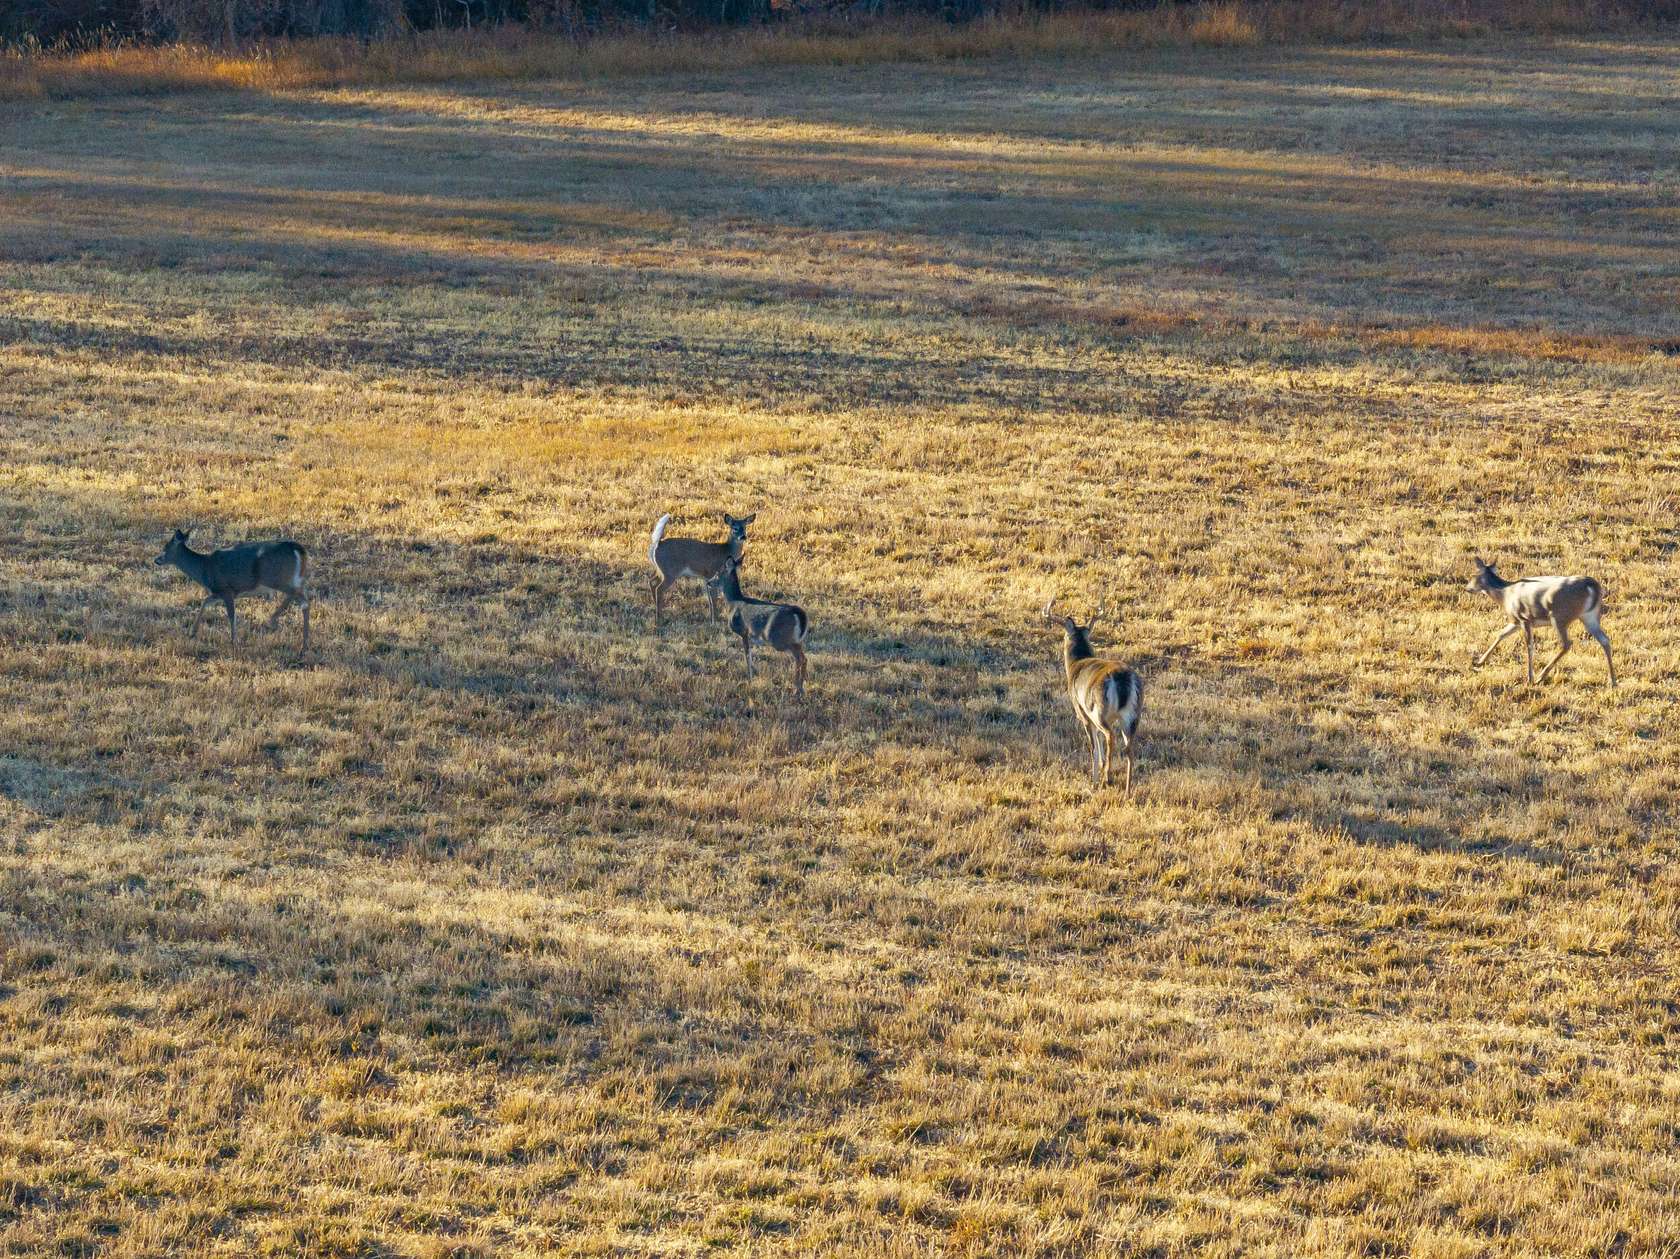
(779, 625)
(690, 557)
(1107, 697)
(238, 570)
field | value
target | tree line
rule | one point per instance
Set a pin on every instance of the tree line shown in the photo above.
(234, 23)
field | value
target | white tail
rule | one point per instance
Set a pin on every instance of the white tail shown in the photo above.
(658, 537)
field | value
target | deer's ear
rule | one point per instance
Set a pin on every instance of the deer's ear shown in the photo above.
(747, 520)
(1479, 563)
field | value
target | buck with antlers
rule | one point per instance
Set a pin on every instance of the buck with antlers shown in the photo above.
(690, 557)
(1531, 601)
(1107, 697)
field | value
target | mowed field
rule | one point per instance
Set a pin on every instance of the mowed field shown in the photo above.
(505, 924)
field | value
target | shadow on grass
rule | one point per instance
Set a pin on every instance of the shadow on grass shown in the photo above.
(1342, 781)
(417, 981)
(375, 217)
(53, 792)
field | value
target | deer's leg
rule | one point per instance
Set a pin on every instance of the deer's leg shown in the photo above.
(233, 624)
(199, 619)
(291, 597)
(303, 598)
(1528, 642)
(798, 671)
(712, 593)
(746, 646)
(661, 584)
(1603, 641)
(1130, 754)
(1108, 757)
(1563, 637)
(1498, 638)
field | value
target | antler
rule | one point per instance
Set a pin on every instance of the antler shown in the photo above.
(1102, 611)
(1046, 613)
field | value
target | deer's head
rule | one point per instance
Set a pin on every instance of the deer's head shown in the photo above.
(174, 548)
(1076, 638)
(725, 581)
(738, 529)
(1486, 581)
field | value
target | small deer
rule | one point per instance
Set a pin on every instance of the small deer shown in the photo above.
(1531, 600)
(690, 557)
(238, 570)
(781, 625)
(1107, 697)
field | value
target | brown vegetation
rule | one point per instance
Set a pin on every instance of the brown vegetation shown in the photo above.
(526, 52)
(504, 925)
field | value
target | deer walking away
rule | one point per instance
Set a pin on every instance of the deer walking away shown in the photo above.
(1107, 697)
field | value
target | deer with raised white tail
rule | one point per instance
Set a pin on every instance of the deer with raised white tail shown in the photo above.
(1531, 601)
(674, 558)
(1107, 697)
(779, 625)
(282, 565)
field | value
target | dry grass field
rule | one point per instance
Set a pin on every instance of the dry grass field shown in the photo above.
(503, 924)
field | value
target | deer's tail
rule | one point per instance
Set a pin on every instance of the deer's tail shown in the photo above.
(658, 537)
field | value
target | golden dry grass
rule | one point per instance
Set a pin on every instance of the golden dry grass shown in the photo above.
(523, 53)
(505, 925)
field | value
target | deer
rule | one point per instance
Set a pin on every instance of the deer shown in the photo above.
(1529, 601)
(690, 557)
(281, 565)
(780, 625)
(1107, 697)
